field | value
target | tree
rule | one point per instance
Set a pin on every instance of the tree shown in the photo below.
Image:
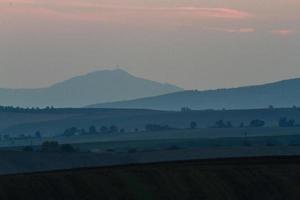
(122, 130)
(294, 107)
(193, 125)
(185, 109)
(257, 123)
(82, 132)
(113, 129)
(70, 131)
(92, 130)
(229, 124)
(284, 122)
(38, 134)
(222, 124)
(104, 129)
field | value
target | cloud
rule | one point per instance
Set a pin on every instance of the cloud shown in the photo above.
(283, 32)
(92, 10)
(231, 30)
(196, 11)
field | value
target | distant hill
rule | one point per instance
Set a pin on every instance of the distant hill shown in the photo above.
(279, 94)
(100, 86)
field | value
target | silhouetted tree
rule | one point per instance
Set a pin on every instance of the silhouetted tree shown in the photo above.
(113, 129)
(222, 124)
(271, 107)
(257, 123)
(229, 124)
(82, 131)
(92, 130)
(122, 130)
(104, 129)
(284, 122)
(193, 125)
(70, 131)
(38, 134)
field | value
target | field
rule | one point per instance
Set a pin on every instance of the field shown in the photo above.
(183, 139)
(16, 162)
(54, 122)
(253, 178)
(129, 147)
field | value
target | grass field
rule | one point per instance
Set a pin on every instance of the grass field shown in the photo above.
(188, 138)
(275, 178)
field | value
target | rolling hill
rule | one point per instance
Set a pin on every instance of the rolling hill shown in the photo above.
(279, 94)
(53, 122)
(99, 86)
(236, 179)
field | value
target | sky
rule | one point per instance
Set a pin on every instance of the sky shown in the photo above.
(195, 44)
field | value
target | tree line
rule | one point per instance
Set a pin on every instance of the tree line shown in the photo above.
(283, 122)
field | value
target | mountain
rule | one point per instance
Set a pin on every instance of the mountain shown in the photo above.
(280, 94)
(100, 86)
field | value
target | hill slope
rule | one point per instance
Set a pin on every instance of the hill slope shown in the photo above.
(280, 94)
(245, 179)
(100, 86)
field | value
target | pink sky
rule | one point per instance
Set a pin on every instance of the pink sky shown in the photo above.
(159, 12)
(192, 43)
(276, 17)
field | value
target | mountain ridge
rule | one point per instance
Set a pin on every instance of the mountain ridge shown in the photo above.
(103, 86)
(284, 93)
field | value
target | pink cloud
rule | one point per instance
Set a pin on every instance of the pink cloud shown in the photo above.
(195, 11)
(232, 30)
(283, 32)
(84, 9)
